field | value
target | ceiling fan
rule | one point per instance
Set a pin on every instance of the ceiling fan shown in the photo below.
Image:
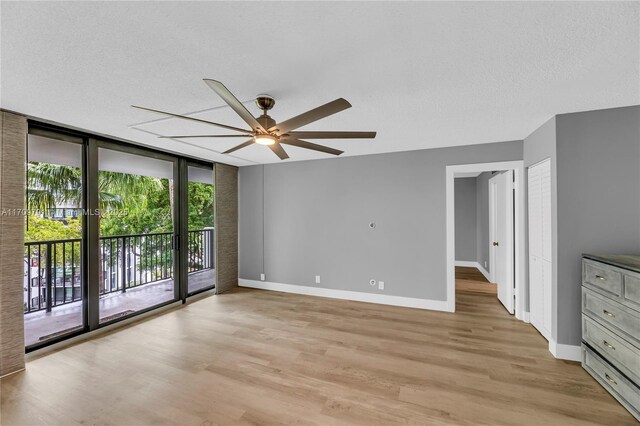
(265, 130)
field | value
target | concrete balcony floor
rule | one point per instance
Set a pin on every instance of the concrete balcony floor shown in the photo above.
(41, 325)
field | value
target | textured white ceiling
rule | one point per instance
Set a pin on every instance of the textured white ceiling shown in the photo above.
(423, 75)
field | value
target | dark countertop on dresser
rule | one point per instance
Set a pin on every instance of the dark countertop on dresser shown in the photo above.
(626, 261)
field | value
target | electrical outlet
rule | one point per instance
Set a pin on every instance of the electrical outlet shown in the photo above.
(317, 279)
(372, 282)
(380, 285)
(485, 264)
(262, 277)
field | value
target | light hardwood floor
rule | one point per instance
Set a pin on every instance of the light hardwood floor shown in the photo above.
(470, 280)
(259, 357)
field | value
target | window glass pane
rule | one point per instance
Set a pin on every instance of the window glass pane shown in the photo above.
(200, 254)
(53, 288)
(136, 265)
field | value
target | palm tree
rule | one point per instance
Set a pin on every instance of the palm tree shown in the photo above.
(52, 185)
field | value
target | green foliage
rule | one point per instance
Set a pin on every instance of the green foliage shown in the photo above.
(50, 185)
(144, 212)
(129, 204)
(201, 197)
(43, 229)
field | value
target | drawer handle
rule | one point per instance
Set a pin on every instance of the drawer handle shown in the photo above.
(610, 379)
(607, 313)
(600, 277)
(609, 345)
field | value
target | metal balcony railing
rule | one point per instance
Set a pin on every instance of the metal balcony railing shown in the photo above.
(53, 269)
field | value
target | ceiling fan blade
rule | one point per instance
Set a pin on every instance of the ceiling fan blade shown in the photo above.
(235, 104)
(315, 114)
(279, 151)
(203, 136)
(332, 135)
(224, 126)
(312, 146)
(237, 147)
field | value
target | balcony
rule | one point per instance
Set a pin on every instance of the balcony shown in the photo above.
(137, 272)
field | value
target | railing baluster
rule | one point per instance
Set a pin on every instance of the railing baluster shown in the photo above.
(124, 266)
(29, 255)
(64, 273)
(48, 277)
(154, 252)
(40, 272)
(142, 259)
(73, 271)
(212, 253)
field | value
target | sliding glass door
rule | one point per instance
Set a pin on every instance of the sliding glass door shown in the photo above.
(111, 231)
(200, 243)
(54, 238)
(137, 226)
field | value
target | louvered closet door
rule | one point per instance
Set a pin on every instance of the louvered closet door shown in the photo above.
(540, 253)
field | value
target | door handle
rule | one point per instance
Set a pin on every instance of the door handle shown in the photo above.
(495, 244)
(175, 242)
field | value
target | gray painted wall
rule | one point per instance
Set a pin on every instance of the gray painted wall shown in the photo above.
(598, 209)
(595, 198)
(466, 231)
(482, 220)
(317, 216)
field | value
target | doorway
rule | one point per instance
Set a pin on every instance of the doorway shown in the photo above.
(200, 258)
(518, 291)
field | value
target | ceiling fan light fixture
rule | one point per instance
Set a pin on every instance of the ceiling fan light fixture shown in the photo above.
(264, 139)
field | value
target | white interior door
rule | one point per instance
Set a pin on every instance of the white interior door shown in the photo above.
(502, 236)
(540, 247)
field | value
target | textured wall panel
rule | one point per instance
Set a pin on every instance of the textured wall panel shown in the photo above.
(226, 220)
(13, 138)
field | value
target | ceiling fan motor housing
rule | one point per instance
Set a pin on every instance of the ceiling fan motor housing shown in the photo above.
(266, 121)
(265, 102)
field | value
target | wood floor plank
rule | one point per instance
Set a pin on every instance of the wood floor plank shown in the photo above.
(259, 357)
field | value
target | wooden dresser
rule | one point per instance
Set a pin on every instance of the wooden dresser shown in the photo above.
(611, 325)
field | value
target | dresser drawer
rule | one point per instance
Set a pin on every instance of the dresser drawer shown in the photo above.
(622, 320)
(622, 389)
(620, 353)
(602, 276)
(632, 289)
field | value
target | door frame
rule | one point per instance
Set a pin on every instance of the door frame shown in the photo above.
(184, 227)
(94, 145)
(521, 289)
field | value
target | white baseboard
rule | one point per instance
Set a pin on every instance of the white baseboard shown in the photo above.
(383, 299)
(471, 264)
(568, 352)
